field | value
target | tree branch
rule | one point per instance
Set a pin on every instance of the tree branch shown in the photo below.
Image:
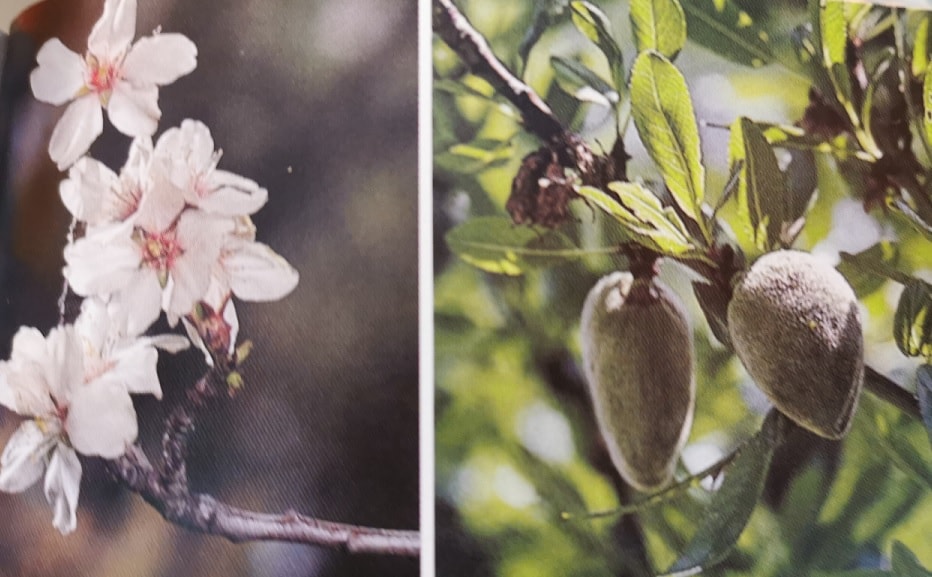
(891, 392)
(456, 31)
(166, 489)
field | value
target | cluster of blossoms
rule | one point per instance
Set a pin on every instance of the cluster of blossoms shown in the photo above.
(171, 232)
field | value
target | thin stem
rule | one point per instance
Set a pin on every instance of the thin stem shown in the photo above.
(664, 495)
(63, 297)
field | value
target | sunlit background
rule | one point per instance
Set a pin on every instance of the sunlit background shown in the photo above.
(317, 102)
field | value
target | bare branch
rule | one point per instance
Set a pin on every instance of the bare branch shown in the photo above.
(166, 489)
(456, 31)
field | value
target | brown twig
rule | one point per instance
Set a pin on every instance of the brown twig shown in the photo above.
(166, 489)
(891, 392)
(456, 31)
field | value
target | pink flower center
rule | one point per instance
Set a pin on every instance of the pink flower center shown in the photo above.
(100, 76)
(159, 251)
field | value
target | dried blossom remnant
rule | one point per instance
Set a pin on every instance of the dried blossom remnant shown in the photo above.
(821, 119)
(540, 193)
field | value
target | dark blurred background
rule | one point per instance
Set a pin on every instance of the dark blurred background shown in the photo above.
(317, 102)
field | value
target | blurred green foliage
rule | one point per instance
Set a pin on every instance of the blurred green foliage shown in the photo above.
(517, 446)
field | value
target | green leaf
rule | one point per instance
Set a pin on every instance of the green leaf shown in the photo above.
(924, 392)
(912, 323)
(643, 216)
(729, 31)
(905, 564)
(921, 46)
(927, 105)
(659, 25)
(595, 26)
(761, 189)
(901, 451)
(584, 84)
(494, 244)
(731, 506)
(664, 116)
(869, 269)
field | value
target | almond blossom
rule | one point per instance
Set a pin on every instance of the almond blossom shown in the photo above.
(149, 270)
(114, 74)
(75, 384)
(251, 270)
(191, 164)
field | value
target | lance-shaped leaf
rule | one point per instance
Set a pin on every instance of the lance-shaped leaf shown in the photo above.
(664, 116)
(927, 106)
(494, 244)
(643, 217)
(912, 323)
(659, 25)
(595, 26)
(731, 506)
(921, 46)
(833, 27)
(584, 84)
(729, 31)
(869, 269)
(762, 197)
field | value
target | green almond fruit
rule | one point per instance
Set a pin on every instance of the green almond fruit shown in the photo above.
(638, 360)
(796, 326)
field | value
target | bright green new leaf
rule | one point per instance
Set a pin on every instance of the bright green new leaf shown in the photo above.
(912, 323)
(643, 217)
(584, 84)
(761, 188)
(920, 61)
(494, 244)
(659, 25)
(729, 31)
(904, 562)
(664, 116)
(593, 23)
(731, 506)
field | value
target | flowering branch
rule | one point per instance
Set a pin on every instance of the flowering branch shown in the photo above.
(170, 233)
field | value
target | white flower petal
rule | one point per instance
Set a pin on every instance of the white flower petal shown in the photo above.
(190, 145)
(93, 323)
(62, 487)
(60, 74)
(23, 460)
(101, 419)
(232, 195)
(114, 32)
(134, 110)
(160, 59)
(161, 204)
(141, 302)
(169, 343)
(86, 190)
(135, 367)
(201, 236)
(77, 129)
(257, 273)
(65, 366)
(23, 384)
(102, 262)
(197, 340)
